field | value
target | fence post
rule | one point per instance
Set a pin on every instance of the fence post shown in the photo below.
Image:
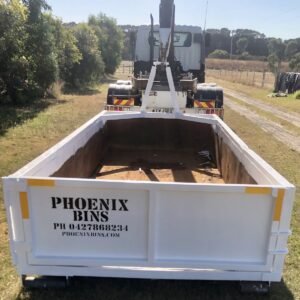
(263, 79)
(253, 80)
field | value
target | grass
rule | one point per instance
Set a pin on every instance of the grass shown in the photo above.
(25, 140)
(285, 161)
(242, 65)
(286, 104)
(27, 132)
(268, 115)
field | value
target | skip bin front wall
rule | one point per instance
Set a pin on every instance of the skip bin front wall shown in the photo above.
(170, 226)
(187, 231)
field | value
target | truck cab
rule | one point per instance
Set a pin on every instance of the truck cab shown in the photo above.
(188, 52)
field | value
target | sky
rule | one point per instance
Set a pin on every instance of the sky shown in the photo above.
(274, 18)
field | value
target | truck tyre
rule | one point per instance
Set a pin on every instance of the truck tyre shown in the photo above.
(45, 282)
(254, 287)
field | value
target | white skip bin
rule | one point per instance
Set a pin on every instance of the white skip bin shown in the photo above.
(150, 195)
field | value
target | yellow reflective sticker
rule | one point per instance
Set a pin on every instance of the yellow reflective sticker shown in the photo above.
(278, 205)
(258, 190)
(41, 182)
(24, 205)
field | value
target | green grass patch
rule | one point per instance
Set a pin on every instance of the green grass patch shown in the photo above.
(268, 115)
(285, 103)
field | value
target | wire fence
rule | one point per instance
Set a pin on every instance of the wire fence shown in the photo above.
(125, 67)
(251, 78)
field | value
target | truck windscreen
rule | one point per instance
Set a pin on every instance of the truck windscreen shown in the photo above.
(181, 39)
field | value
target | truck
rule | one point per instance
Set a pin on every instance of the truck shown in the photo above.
(183, 47)
(152, 193)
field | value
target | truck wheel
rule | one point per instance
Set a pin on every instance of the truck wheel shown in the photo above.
(109, 100)
(45, 282)
(254, 287)
(137, 101)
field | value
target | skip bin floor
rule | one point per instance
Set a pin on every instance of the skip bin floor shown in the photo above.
(159, 165)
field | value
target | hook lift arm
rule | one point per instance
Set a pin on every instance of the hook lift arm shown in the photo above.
(167, 23)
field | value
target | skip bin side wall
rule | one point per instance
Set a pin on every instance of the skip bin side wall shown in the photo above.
(50, 161)
(26, 202)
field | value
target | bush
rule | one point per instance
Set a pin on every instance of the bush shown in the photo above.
(246, 56)
(111, 41)
(90, 69)
(295, 62)
(56, 89)
(219, 54)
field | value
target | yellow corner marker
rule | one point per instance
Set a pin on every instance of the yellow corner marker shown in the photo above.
(41, 182)
(278, 205)
(258, 190)
(24, 205)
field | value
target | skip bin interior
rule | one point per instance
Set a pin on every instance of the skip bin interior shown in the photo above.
(161, 150)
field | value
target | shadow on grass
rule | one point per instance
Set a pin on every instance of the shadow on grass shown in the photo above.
(113, 78)
(11, 116)
(88, 91)
(109, 80)
(111, 289)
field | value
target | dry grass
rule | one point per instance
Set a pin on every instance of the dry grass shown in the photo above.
(250, 78)
(55, 91)
(125, 70)
(241, 65)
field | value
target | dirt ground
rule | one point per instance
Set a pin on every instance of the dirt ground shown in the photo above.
(159, 166)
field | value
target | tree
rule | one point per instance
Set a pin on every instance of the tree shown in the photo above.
(90, 69)
(225, 32)
(67, 52)
(41, 49)
(242, 45)
(222, 39)
(249, 33)
(292, 48)
(111, 40)
(295, 62)
(35, 8)
(222, 54)
(276, 54)
(14, 65)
